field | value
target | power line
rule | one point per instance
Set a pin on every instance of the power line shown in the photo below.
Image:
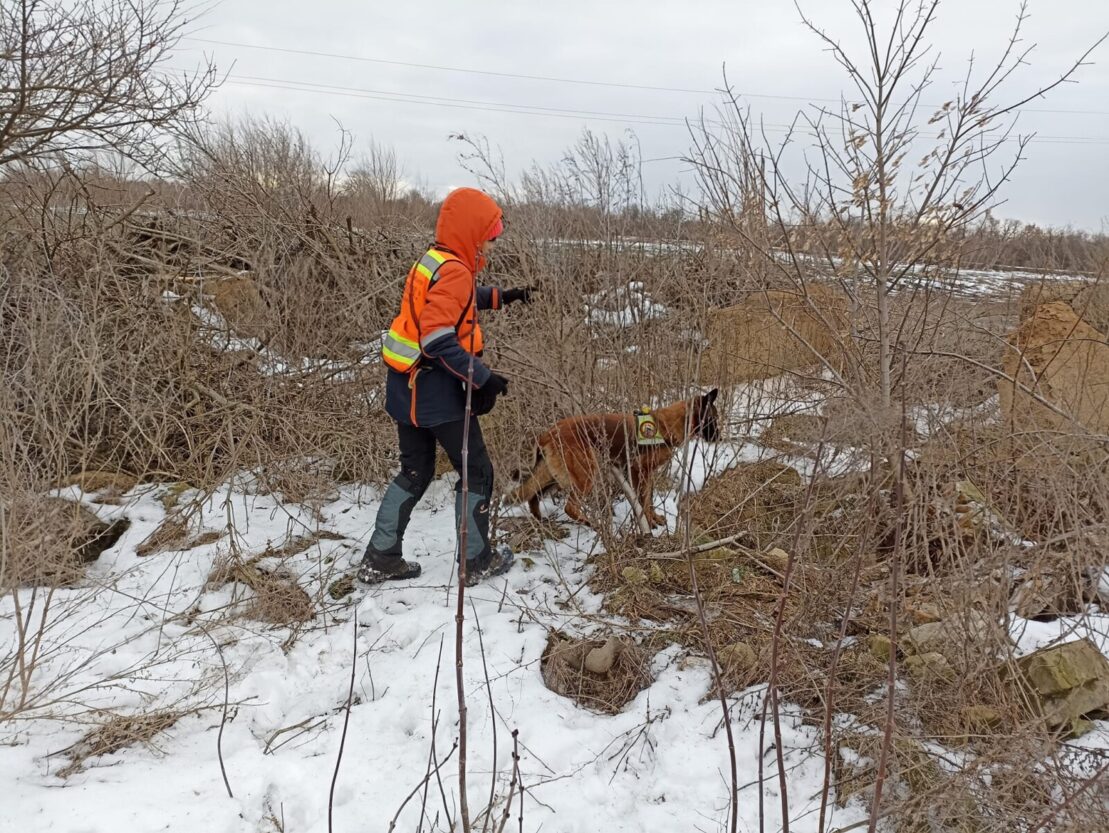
(581, 81)
(524, 111)
(462, 69)
(533, 109)
(678, 120)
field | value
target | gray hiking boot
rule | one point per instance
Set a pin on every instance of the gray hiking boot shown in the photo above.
(499, 563)
(378, 567)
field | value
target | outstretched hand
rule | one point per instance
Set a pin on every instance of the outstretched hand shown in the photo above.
(518, 294)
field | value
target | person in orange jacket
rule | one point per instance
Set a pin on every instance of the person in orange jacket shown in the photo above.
(433, 351)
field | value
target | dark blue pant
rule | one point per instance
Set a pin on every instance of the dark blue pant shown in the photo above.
(417, 468)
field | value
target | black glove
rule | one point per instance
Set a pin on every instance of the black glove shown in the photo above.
(496, 384)
(521, 294)
(483, 399)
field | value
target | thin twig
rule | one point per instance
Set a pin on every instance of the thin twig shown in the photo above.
(346, 722)
(493, 714)
(416, 789)
(699, 548)
(431, 757)
(512, 784)
(460, 611)
(1055, 811)
(637, 509)
(223, 719)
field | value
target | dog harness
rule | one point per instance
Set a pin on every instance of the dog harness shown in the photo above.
(646, 428)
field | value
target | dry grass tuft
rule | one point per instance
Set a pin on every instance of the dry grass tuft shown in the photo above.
(280, 600)
(341, 587)
(603, 675)
(170, 534)
(758, 498)
(528, 534)
(297, 544)
(117, 733)
(173, 535)
(278, 597)
(114, 483)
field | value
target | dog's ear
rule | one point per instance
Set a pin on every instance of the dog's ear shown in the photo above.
(710, 397)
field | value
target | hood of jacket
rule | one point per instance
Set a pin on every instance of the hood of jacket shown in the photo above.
(466, 219)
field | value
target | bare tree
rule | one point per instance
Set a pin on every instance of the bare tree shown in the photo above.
(259, 165)
(880, 203)
(891, 180)
(378, 177)
(90, 78)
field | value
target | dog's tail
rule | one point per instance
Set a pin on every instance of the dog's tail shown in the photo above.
(538, 482)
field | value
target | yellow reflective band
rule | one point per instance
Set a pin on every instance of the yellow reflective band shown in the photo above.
(400, 349)
(395, 336)
(401, 360)
(431, 261)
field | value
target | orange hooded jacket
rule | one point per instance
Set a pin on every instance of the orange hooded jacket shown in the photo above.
(440, 318)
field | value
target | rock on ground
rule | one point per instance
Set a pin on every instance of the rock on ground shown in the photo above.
(48, 541)
(1065, 683)
(775, 331)
(1090, 301)
(1066, 362)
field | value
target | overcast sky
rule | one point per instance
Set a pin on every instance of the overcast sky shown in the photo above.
(772, 60)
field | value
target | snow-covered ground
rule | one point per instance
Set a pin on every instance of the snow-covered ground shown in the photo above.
(151, 633)
(145, 638)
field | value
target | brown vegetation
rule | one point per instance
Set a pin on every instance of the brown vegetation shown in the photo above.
(115, 734)
(48, 541)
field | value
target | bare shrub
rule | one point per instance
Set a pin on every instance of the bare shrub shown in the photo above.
(87, 78)
(930, 529)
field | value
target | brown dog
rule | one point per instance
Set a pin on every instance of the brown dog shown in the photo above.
(571, 453)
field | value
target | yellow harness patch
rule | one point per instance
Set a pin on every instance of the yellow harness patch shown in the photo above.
(646, 428)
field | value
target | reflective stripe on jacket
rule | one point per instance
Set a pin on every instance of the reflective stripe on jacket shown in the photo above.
(402, 344)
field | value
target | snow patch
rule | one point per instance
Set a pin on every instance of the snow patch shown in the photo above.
(623, 306)
(143, 635)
